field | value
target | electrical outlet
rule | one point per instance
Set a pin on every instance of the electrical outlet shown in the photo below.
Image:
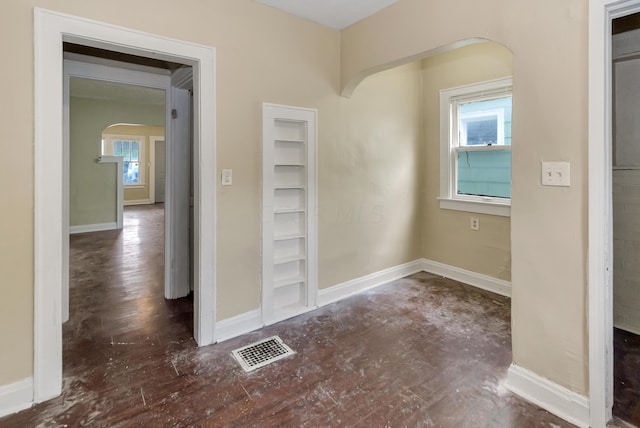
(475, 223)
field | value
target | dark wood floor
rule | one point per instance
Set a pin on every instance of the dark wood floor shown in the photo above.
(419, 352)
(626, 376)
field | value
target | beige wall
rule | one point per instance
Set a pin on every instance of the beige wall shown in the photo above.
(138, 193)
(92, 198)
(548, 39)
(447, 236)
(369, 175)
(366, 149)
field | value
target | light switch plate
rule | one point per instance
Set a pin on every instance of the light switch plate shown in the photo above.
(227, 177)
(556, 174)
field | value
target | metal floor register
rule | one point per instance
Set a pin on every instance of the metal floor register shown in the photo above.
(261, 353)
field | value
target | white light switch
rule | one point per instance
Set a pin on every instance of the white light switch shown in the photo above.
(227, 177)
(556, 174)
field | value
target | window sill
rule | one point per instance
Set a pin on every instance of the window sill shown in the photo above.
(134, 186)
(491, 208)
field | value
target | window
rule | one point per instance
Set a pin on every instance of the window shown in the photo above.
(475, 148)
(132, 151)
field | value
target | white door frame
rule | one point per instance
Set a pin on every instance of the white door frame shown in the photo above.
(50, 228)
(600, 275)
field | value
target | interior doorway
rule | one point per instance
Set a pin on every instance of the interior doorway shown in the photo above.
(626, 228)
(601, 265)
(51, 228)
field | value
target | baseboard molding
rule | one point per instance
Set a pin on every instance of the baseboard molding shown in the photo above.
(238, 325)
(552, 397)
(16, 397)
(627, 328)
(137, 202)
(84, 228)
(489, 283)
(354, 286)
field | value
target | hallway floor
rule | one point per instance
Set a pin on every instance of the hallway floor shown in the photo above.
(626, 376)
(422, 351)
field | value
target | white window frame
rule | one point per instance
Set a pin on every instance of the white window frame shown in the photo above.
(451, 135)
(107, 149)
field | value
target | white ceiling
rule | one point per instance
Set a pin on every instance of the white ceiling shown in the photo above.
(337, 14)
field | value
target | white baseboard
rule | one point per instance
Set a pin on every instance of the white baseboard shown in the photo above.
(16, 396)
(238, 325)
(137, 202)
(627, 327)
(489, 283)
(354, 286)
(83, 228)
(552, 397)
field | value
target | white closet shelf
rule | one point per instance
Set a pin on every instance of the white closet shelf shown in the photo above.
(289, 210)
(280, 140)
(283, 260)
(286, 187)
(288, 237)
(289, 281)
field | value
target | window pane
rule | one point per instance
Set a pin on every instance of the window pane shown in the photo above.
(485, 122)
(126, 151)
(131, 172)
(117, 148)
(134, 151)
(485, 173)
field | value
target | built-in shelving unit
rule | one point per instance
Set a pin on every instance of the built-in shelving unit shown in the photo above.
(289, 235)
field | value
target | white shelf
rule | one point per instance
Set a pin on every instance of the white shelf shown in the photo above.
(289, 281)
(289, 211)
(292, 187)
(289, 259)
(289, 266)
(288, 237)
(283, 140)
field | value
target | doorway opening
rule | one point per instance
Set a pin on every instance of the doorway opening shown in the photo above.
(51, 224)
(626, 229)
(601, 266)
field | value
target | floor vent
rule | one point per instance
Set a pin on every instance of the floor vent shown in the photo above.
(261, 353)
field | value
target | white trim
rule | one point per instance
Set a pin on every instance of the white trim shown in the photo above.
(552, 397)
(16, 396)
(366, 282)
(98, 227)
(485, 282)
(487, 207)
(600, 233)
(238, 325)
(138, 202)
(627, 328)
(51, 29)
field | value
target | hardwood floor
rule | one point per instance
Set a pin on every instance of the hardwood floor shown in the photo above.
(626, 376)
(422, 351)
